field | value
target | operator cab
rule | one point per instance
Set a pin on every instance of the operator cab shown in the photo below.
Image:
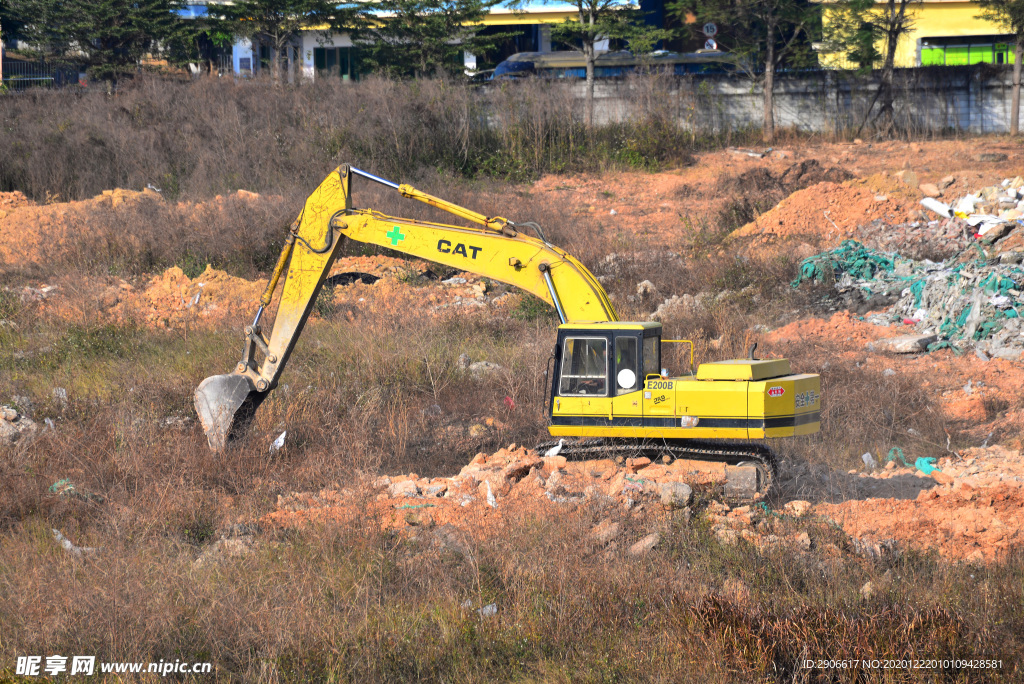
(602, 360)
(600, 371)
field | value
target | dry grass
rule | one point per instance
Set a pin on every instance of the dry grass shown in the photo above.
(214, 136)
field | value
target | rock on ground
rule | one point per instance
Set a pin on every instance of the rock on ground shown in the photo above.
(904, 344)
(605, 531)
(676, 494)
(645, 544)
(481, 368)
(15, 426)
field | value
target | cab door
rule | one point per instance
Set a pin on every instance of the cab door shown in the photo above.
(626, 407)
(582, 389)
(659, 395)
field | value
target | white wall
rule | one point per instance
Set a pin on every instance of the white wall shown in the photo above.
(315, 39)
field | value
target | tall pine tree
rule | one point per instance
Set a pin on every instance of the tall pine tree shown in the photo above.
(110, 36)
(425, 37)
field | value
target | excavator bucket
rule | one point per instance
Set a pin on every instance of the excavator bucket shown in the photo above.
(226, 404)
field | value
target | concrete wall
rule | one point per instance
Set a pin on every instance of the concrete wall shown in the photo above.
(974, 99)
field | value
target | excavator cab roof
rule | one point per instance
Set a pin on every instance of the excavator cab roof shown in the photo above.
(617, 325)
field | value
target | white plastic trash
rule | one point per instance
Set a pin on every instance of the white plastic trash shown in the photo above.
(966, 204)
(940, 208)
(984, 222)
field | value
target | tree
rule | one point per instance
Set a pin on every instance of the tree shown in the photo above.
(196, 39)
(852, 34)
(893, 22)
(763, 35)
(857, 28)
(110, 36)
(423, 37)
(598, 20)
(278, 22)
(1010, 15)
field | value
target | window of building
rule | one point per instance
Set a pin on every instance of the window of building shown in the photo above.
(333, 61)
(966, 50)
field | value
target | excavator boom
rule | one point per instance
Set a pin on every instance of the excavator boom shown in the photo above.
(495, 247)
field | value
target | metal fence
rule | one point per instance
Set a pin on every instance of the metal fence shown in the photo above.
(22, 75)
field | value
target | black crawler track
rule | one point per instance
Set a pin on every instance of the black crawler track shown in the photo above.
(731, 453)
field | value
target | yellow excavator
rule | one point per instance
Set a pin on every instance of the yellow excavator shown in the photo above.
(609, 395)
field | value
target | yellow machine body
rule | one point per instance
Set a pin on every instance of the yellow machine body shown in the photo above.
(736, 399)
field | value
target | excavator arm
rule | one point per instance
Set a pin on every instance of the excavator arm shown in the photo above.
(494, 247)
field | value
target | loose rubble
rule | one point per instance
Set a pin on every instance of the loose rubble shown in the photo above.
(15, 426)
(965, 301)
(885, 509)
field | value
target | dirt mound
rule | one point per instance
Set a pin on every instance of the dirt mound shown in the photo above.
(515, 478)
(410, 288)
(9, 201)
(172, 299)
(980, 394)
(971, 514)
(975, 516)
(29, 233)
(843, 327)
(810, 172)
(379, 266)
(801, 175)
(829, 212)
(39, 234)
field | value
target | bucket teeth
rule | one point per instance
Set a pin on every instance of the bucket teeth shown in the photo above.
(225, 405)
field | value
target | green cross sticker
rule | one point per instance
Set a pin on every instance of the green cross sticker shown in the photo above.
(396, 236)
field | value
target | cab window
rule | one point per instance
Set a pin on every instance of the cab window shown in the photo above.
(584, 367)
(626, 365)
(652, 359)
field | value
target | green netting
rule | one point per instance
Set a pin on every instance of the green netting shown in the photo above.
(916, 289)
(850, 257)
(966, 299)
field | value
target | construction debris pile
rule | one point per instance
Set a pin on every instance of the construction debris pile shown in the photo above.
(984, 210)
(969, 300)
(921, 239)
(514, 480)
(990, 216)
